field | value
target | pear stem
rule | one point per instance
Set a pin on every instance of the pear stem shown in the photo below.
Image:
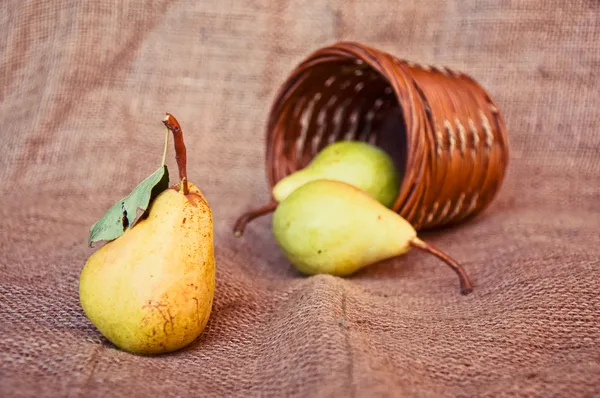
(465, 283)
(180, 153)
(245, 218)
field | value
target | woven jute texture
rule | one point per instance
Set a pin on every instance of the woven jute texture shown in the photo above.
(83, 89)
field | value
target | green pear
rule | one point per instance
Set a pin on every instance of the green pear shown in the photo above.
(332, 227)
(151, 290)
(357, 163)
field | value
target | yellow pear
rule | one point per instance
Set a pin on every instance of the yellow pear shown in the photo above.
(357, 163)
(331, 227)
(151, 290)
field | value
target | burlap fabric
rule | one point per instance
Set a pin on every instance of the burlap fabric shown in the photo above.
(83, 87)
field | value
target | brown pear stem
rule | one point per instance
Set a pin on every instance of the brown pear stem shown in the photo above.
(465, 283)
(245, 218)
(180, 153)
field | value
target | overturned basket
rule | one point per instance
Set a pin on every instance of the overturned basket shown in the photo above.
(443, 130)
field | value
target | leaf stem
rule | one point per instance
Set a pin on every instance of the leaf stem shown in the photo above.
(465, 283)
(245, 218)
(164, 159)
(180, 153)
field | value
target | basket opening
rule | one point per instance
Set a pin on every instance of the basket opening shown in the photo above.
(344, 100)
(392, 138)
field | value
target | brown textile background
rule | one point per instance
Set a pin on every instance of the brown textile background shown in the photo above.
(83, 87)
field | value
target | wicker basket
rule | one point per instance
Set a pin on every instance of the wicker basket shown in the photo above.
(444, 131)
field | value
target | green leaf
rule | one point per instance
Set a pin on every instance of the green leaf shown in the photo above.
(128, 211)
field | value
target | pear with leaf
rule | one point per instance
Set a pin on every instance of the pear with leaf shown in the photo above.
(149, 289)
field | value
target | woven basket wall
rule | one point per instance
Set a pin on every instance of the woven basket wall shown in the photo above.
(444, 131)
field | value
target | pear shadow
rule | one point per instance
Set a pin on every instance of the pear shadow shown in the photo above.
(397, 267)
(209, 336)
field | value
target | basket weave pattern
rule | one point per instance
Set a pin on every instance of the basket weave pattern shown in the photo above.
(441, 127)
